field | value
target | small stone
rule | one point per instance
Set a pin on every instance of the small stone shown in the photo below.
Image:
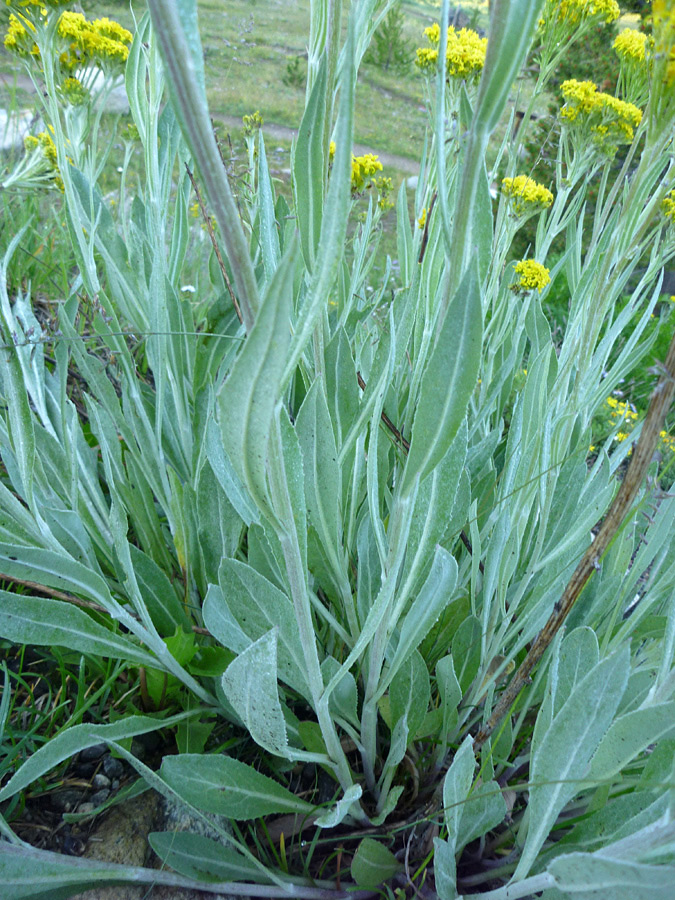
(85, 808)
(66, 801)
(115, 786)
(92, 753)
(100, 781)
(99, 797)
(113, 768)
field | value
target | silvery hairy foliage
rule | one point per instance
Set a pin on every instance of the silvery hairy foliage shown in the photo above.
(339, 524)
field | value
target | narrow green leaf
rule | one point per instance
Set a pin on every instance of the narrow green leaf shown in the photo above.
(562, 757)
(202, 858)
(409, 693)
(249, 396)
(483, 810)
(436, 593)
(448, 381)
(309, 169)
(227, 787)
(269, 237)
(35, 620)
(373, 864)
(322, 473)
(76, 738)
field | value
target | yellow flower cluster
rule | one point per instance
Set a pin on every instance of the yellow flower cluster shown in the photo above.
(101, 42)
(364, 167)
(526, 195)
(610, 121)
(18, 38)
(532, 276)
(573, 12)
(252, 123)
(44, 146)
(465, 54)
(621, 410)
(630, 44)
(668, 206)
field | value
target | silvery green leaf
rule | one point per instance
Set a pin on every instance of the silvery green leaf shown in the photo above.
(336, 814)
(435, 506)
(585, 876)
(579, 653)
(450, 692)
(373, 864)
(221, 623)
(309, 170)
(435, 594)
(445, 870)
(342, 390)
(227, 477)
(483, 810)
(250, 394)
(269, 238)
(466, 651)
(409, 692)
(159, 595)
(199, 857)
(630, 735)
(456, 787)
(561, 758)
(35, 620)
(258, 606)
(227, 787)
(322, 473)
(448, 381)
(250, 684)
(344, 698)
(219, 526)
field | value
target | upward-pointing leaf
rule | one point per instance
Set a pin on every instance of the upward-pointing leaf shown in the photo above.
(308, 169)
(448, 380)
(250, 394)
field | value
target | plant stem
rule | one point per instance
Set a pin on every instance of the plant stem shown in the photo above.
(621, 507)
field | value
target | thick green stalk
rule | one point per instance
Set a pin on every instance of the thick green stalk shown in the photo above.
(193, 115)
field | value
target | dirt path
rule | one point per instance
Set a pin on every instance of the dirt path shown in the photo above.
(280, 132)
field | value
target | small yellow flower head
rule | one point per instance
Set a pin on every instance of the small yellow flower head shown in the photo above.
(252, 123)
(422, 221)
(668, 209)
(526, 195)
(621, 436)
(74, 92)
(572, 13)
(533, 276)
(608, 120)
(331, 151)
(364, 167)
(384, 188)
(629, 45)
(19, 38)
(102, 42)
(465, 54)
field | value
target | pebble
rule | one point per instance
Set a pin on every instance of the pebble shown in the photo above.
(100, 781)
(113, 768)
(99, 797)
(66, 800)
(92, 753)
(85, 807)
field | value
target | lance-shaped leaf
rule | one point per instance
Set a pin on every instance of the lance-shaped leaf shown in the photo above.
(250, 394)
(373, 864)
(36, 620)
(228, 787)
(561, 758)
(449, 378)
(308, 169)
(202, 858)
(250, 684)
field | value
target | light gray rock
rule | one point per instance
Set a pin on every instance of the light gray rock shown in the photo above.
(14, 126)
